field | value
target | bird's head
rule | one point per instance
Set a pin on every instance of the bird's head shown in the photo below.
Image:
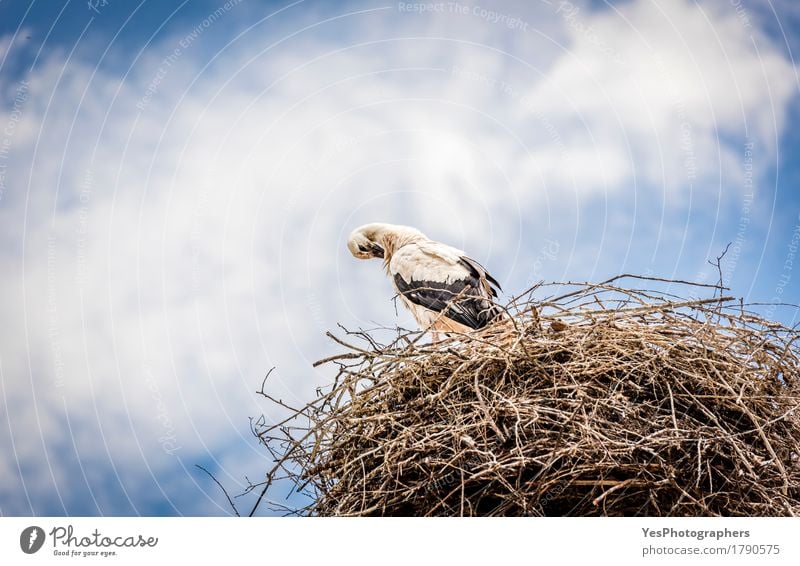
(363, 244)
(380, 240)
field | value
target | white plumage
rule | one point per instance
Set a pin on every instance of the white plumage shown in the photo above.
(445, 290)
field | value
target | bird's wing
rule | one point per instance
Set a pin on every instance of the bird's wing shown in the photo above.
(489, 282)
(442, 279)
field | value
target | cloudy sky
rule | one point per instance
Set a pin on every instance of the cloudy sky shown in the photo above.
(177, 181)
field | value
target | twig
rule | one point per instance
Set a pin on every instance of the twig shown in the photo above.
(228, 497)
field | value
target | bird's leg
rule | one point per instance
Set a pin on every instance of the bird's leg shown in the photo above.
(434, 337)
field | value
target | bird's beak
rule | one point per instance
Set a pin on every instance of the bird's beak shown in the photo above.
(377, 251)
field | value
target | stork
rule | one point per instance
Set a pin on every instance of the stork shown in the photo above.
(445, 290)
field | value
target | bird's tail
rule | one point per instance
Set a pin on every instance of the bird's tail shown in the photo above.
(491, 314)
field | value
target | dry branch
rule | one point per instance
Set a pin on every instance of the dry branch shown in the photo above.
(602, 401)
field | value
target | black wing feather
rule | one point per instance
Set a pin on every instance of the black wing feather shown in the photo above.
(478, 271)
(459, 300)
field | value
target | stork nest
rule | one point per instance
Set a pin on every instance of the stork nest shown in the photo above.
(600, 401)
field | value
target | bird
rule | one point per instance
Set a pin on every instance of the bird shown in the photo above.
(445, 290)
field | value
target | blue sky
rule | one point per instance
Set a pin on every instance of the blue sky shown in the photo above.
(178, 180)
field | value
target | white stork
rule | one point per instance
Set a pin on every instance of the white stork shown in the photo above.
(445, 290)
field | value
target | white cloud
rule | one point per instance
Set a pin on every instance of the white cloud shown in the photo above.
(198, 242)
(672, 87)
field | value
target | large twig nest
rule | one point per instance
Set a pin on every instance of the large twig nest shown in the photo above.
(602, 401)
